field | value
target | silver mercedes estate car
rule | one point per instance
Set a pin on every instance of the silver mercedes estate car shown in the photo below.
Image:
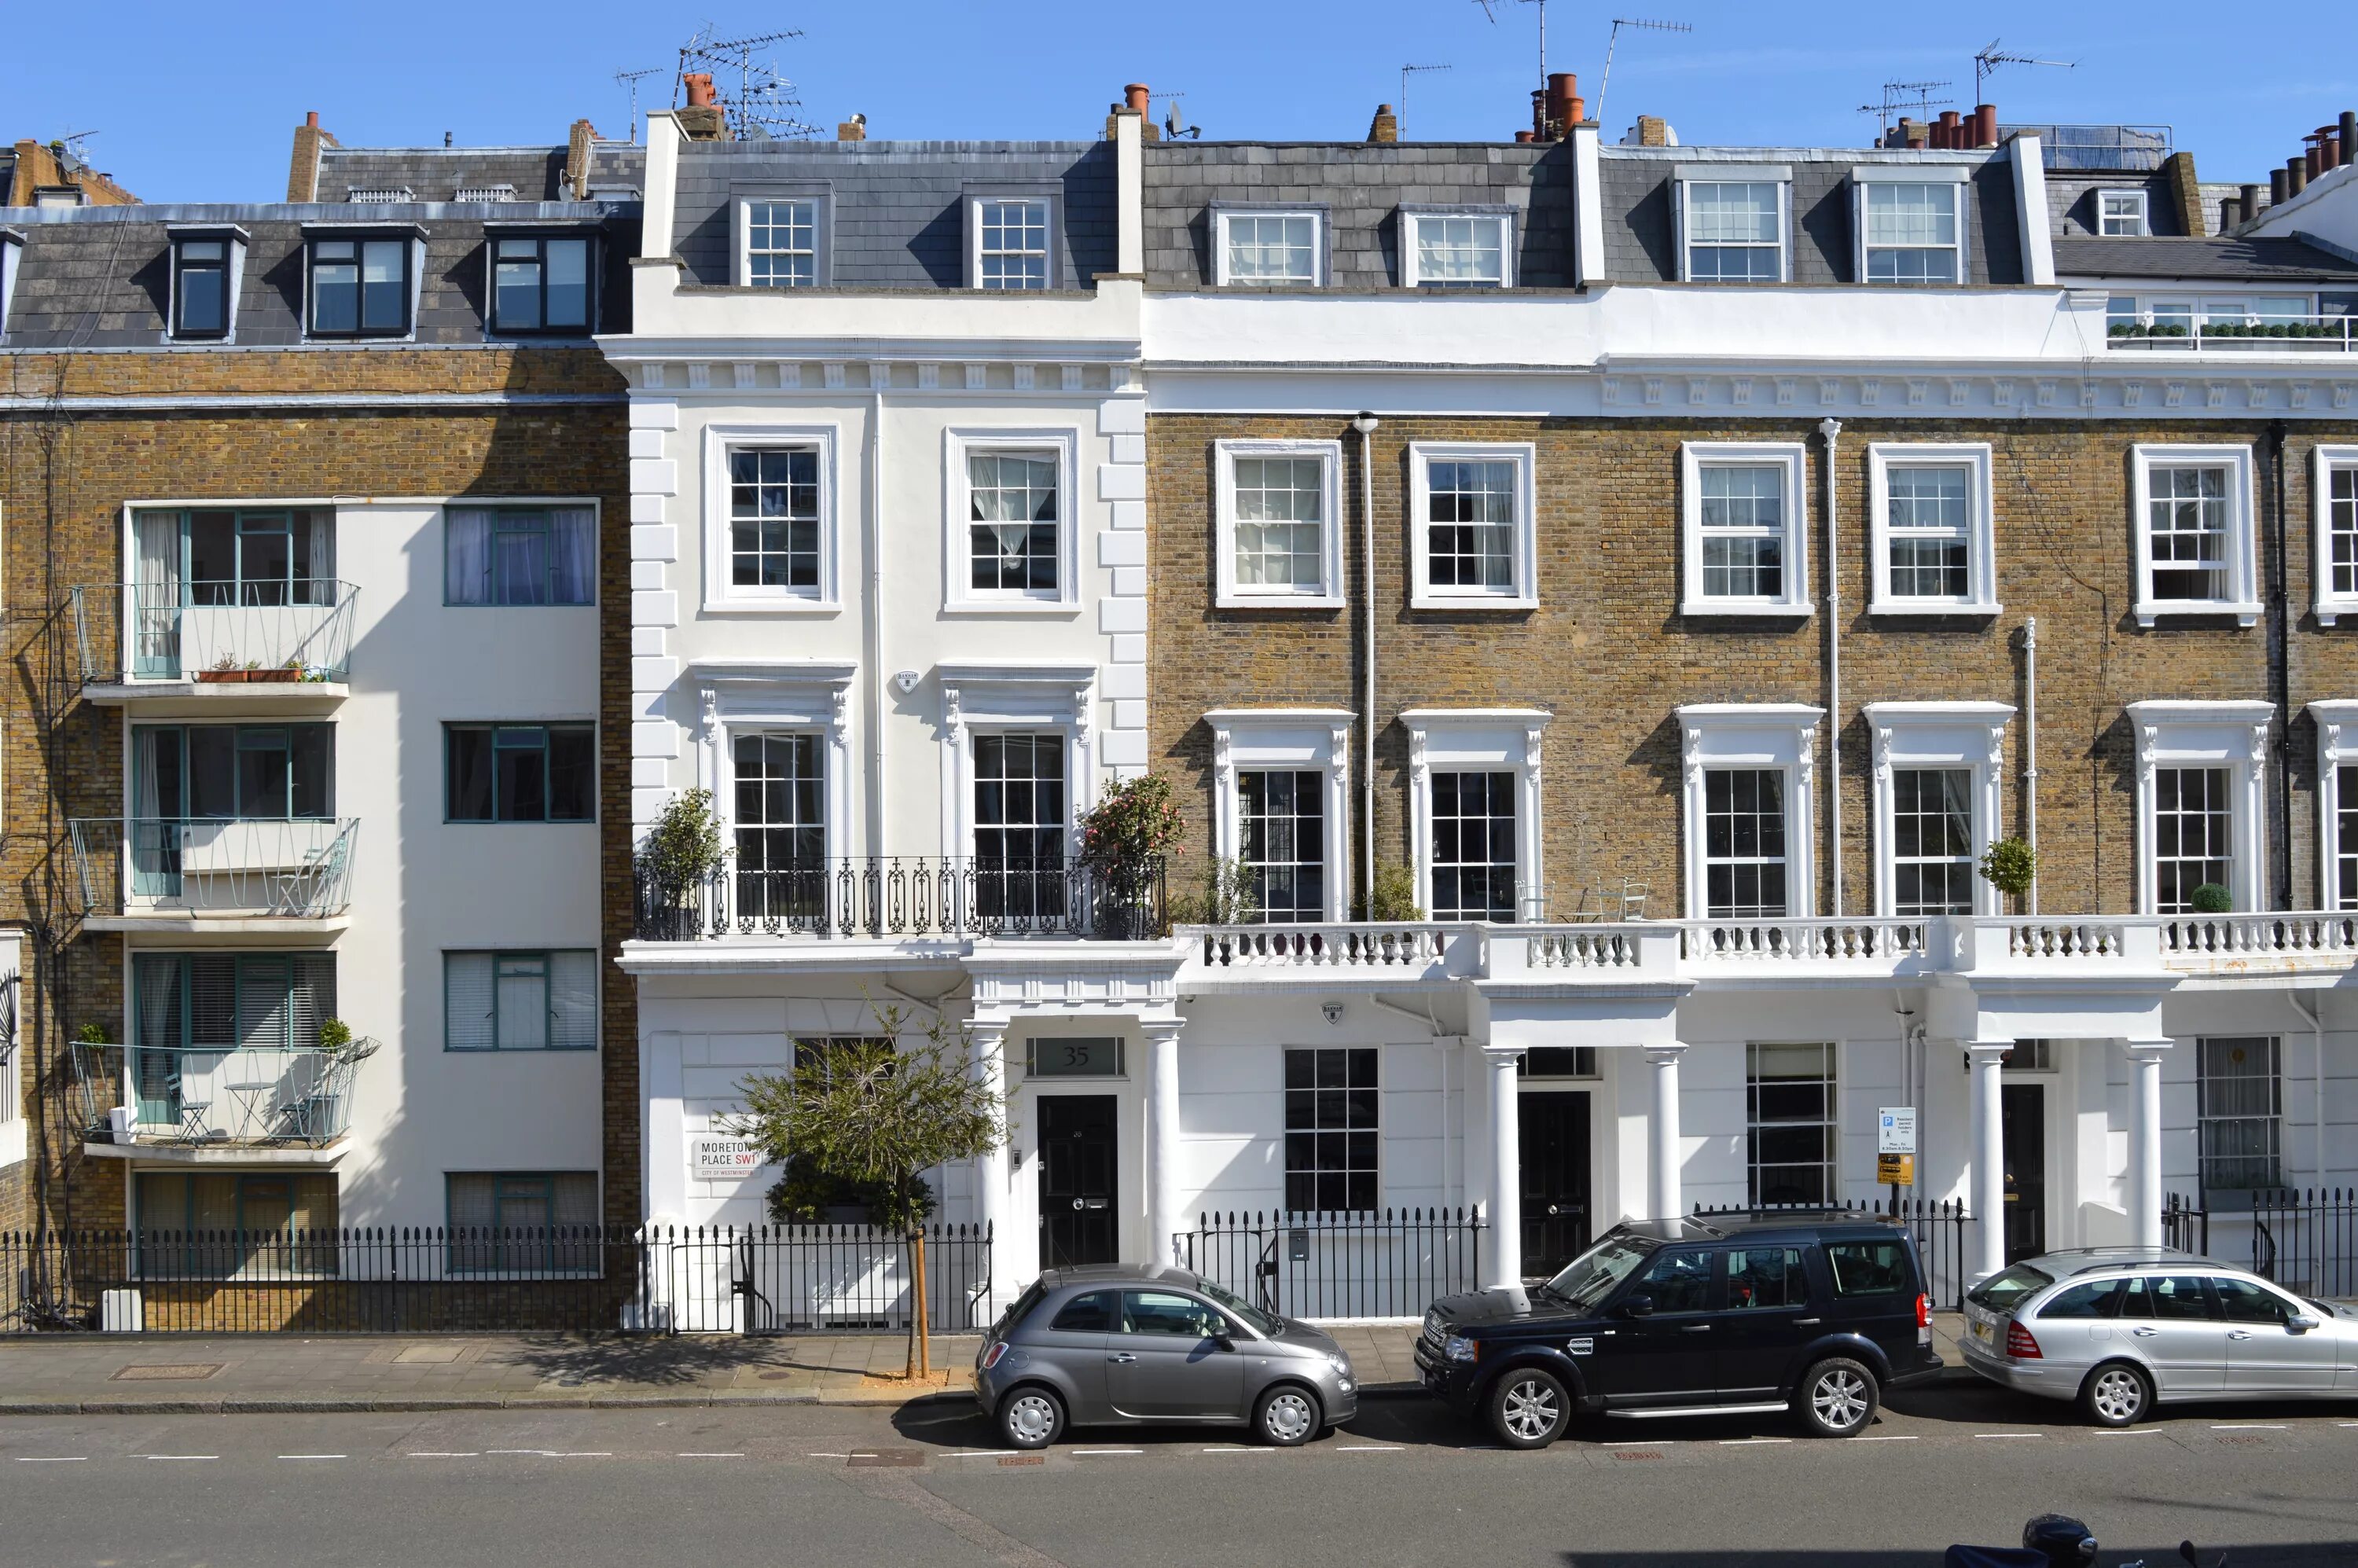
(2118, 1329)
(1115, 1346)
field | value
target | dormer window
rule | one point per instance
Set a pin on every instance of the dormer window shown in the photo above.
(359, 287)
(1014, 243)
(2121, 214)
(203, 291)
(1458, 248)
(540, 284)
(1912, 223)
(1733, 223)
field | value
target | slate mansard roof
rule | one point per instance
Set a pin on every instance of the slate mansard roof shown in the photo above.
(100, 277)
(438, 174)
(2261, 259)
(896, 212)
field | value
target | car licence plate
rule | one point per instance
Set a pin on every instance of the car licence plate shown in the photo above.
(1981, 1331)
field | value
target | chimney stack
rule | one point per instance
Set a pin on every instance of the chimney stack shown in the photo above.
(1385, 127)
(1525, 138)
(1653, 131)
(1985, 125)
(2251, 202)
(1947, 135)
(2348, 128)
(2295, 175)
(2329, 148)
(852, 130)
(2279, 187)
(303, 167)
(1563, 108)
(702, 119)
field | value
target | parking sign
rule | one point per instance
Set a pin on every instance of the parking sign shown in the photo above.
(1895, 1130)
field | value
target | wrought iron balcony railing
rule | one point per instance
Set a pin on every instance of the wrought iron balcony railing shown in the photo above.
(224, 1095)
(296, 868)
(911, 895)
(215, 632)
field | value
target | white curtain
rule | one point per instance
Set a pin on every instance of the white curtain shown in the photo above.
(155, 594)
(323, 559)
(573, 548)
(466, 556)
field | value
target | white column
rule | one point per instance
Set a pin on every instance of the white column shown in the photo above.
(1163, 1216)
(986, 1046)
(2145, 1139)
(1504, 1266)
(1985, 1169)
(1664, 1191)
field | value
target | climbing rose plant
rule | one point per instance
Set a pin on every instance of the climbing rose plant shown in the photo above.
(1131, 823)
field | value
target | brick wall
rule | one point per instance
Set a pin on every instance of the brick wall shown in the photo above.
(1608, 652)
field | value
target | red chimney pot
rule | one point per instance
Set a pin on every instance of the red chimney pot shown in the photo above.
(699, 89)
(1139, 100)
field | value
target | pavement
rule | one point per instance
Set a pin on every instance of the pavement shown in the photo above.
(60, 1374)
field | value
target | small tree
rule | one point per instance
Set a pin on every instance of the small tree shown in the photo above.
(681, 852)
(2011, 866)
(2212, 899)
(875, 1117)
(1125, 837)
(1225, 897)
(1391, 897)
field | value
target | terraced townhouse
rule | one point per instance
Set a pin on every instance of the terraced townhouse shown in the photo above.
(1661, 572)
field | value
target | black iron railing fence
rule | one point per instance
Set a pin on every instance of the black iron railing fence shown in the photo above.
(2304, 1239)
(908, 895)
(1937, 1225)
(1389, 1264)
(554, 1278)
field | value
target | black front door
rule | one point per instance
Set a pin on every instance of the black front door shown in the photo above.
(2024, 1137)
(1077, 1180)
(1554, 1155)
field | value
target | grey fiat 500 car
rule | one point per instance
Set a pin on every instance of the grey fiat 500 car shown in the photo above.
(1132, 1347)
(2120, 1329)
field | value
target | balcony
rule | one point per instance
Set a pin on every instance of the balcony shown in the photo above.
(276, 642)
(228, 1103)
(941, 897)
(2275, 335)
(175, 874)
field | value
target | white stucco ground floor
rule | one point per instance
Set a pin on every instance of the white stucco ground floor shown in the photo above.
(1147, 1103)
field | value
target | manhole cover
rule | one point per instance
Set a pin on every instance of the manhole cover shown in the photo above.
(2242, 1441)
(886, 1459)
(1025, 1459)
(168, 1372)
(1628, 1456)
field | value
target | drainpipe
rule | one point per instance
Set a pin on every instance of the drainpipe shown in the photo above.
(875, 545)
(2279, 672)
(2317, 1061)
(1830, 429)
(2031, 750)
(1365, 425)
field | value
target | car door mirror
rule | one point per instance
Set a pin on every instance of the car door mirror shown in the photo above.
(1224, 1342)
(2300, 1323)
(1636, 1306)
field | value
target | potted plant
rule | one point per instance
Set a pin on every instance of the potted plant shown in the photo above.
(2011, 866)
(1125, 837)
(225, 670)
(291, 670)
(1225, 897)
(1393, 896)
(335, 1036)
(2212, 899)
(681, 853)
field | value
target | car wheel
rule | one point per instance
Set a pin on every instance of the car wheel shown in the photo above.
(1529, 1407)
(1286, 1416)
(1030, 1418)
(1838, 1398)
(2117, 1394)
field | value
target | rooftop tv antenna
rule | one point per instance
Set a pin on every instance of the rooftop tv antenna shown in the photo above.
(1543, 5)
(1636, 24)
(1991, 56)
(1407, 71)
(1175, 123)
(1897, 96)
(758, 112)
(73, 142)
(629, 79)
(1488, 11)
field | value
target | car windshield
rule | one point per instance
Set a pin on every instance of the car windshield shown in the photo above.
(1588, 1279)
(2002, 1289)
(1259, 1321)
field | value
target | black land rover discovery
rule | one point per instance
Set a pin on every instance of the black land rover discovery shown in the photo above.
(1814, 1314)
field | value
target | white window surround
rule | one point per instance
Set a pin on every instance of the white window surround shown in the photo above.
(12, 251)
(235, 239)
(1306, 738)
(2337, 747)
(1763, 735)
(1970, 735)
(742, 696)
(1794, 458)
(1980, 531)
(2127, 208)
(973, 208)
(2243, 600)
(721, 597)
(1494, 740)
(1328, 593)
(822, 230)
(1524, 593)
(2197, 734)
(1778, 175)
(1958, 177)
(957, 566)
(1320, 252)
(1509, 225)
(2328, 461)
(979, 697)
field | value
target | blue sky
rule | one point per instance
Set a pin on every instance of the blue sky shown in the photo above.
(189, 109)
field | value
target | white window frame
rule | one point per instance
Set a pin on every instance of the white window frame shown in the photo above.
(1305, 740)
(1968, 735)
(1780, 176)
(739, 696)
(2337, 748)
(14, 1123)
(2243, 600)
(822, 237)
(2198, 734)
(1327, 592)
(1957, 177)
(232, 237)
(1981, 529)
(1829, 1166)
(1524, 593)
(722, 596)
(1794, 459)
(2328, 461)
(1009, 698)
(1411, 216)
(959, 595)
(1320, 258)
(2141, 216)
(1480, 739)
(1055, 270)
(2275, 1118)
(1763, 736)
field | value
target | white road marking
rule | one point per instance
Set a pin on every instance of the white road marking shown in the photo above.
(1888, 1437)
(2140, 1431)
(178, 1456)
(712, 1457)
(2009, 1434)
(52, 1459)
(315, 1456)
(826, 1455)
(1742, 1442)
(1638, 1443)
(1236, 1450)
(430, 1453)
(2346, 1424)
(973, 1454)
(554, 1454)
(2246, 1427)
(1367, 1448)
(1078, 1453)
